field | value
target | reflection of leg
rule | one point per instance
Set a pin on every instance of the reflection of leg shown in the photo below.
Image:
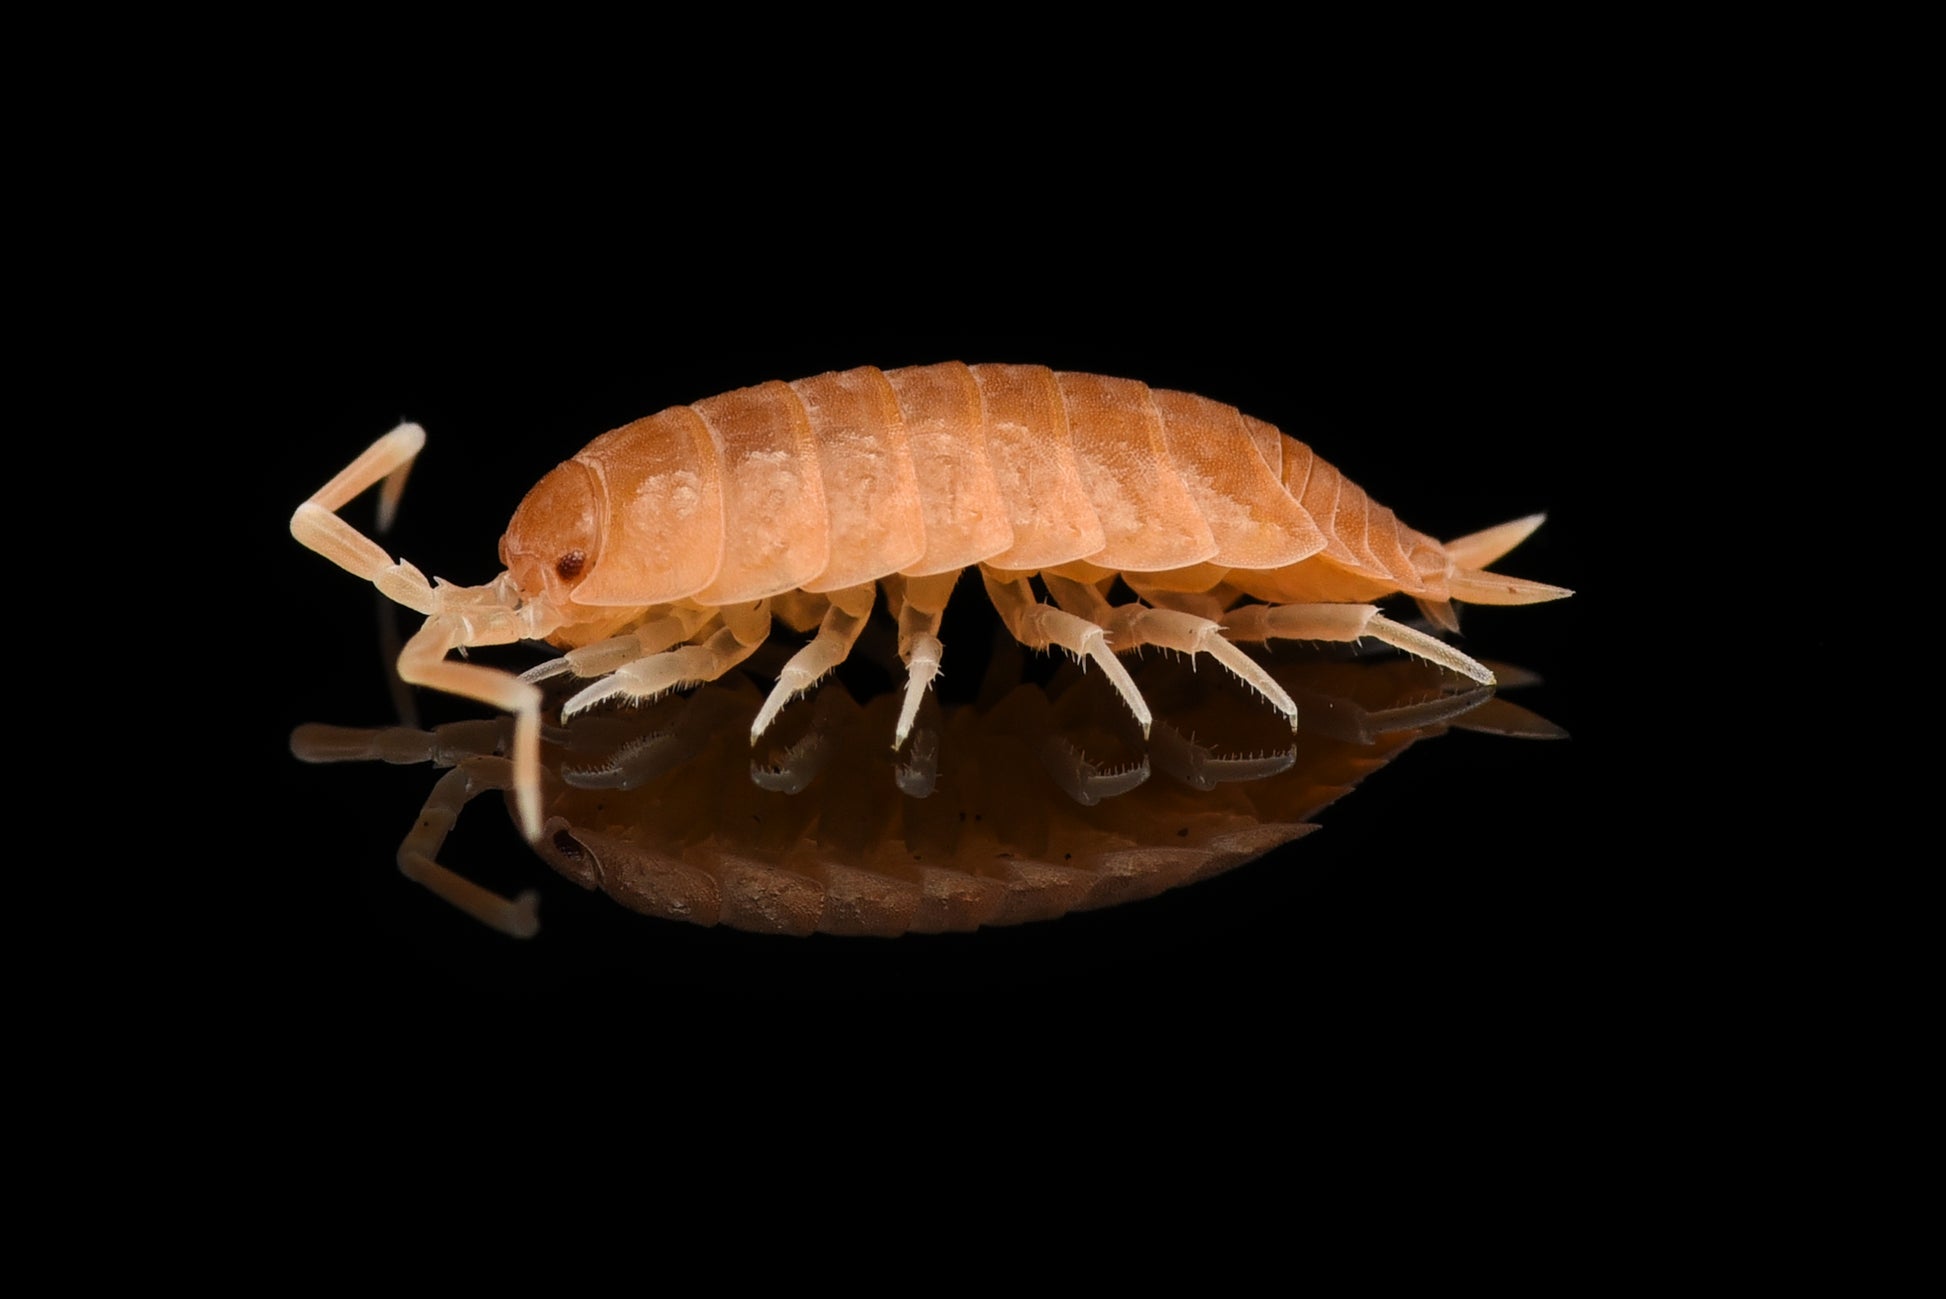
(1040, 626)
(745, 627)
(467, 747)
(472, 777)
(918, 603)
(842, 623)
(1346, 622)
(1131, 626)
(604, 656)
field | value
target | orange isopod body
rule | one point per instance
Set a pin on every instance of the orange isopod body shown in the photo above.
(658, 556)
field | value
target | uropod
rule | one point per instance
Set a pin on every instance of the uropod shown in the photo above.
(659, 556)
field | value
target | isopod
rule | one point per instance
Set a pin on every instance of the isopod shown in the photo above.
(658, 556)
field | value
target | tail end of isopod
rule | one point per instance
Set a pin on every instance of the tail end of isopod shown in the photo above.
(1475, 587)
(1478, 549)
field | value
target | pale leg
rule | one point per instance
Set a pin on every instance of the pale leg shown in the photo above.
(1041, 626)
(918, 603)
(850, 608)
(604, 656)
(744, 629)
(1346, 622)
(1131, 626)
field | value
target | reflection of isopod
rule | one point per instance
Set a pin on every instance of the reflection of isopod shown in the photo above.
(1039, 801)
(658, 555)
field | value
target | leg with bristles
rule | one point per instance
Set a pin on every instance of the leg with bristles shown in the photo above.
(604, 656)
(744, 629)
(919, 603)
(1132, 626)
(1346, 622)
(850, 608)
(1041, 626)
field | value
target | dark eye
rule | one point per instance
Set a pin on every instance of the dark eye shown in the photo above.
(571, 563)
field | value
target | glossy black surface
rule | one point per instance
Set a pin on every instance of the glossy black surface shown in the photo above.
(1445, 386)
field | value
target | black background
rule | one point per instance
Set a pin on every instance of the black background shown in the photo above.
(1443, 357)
